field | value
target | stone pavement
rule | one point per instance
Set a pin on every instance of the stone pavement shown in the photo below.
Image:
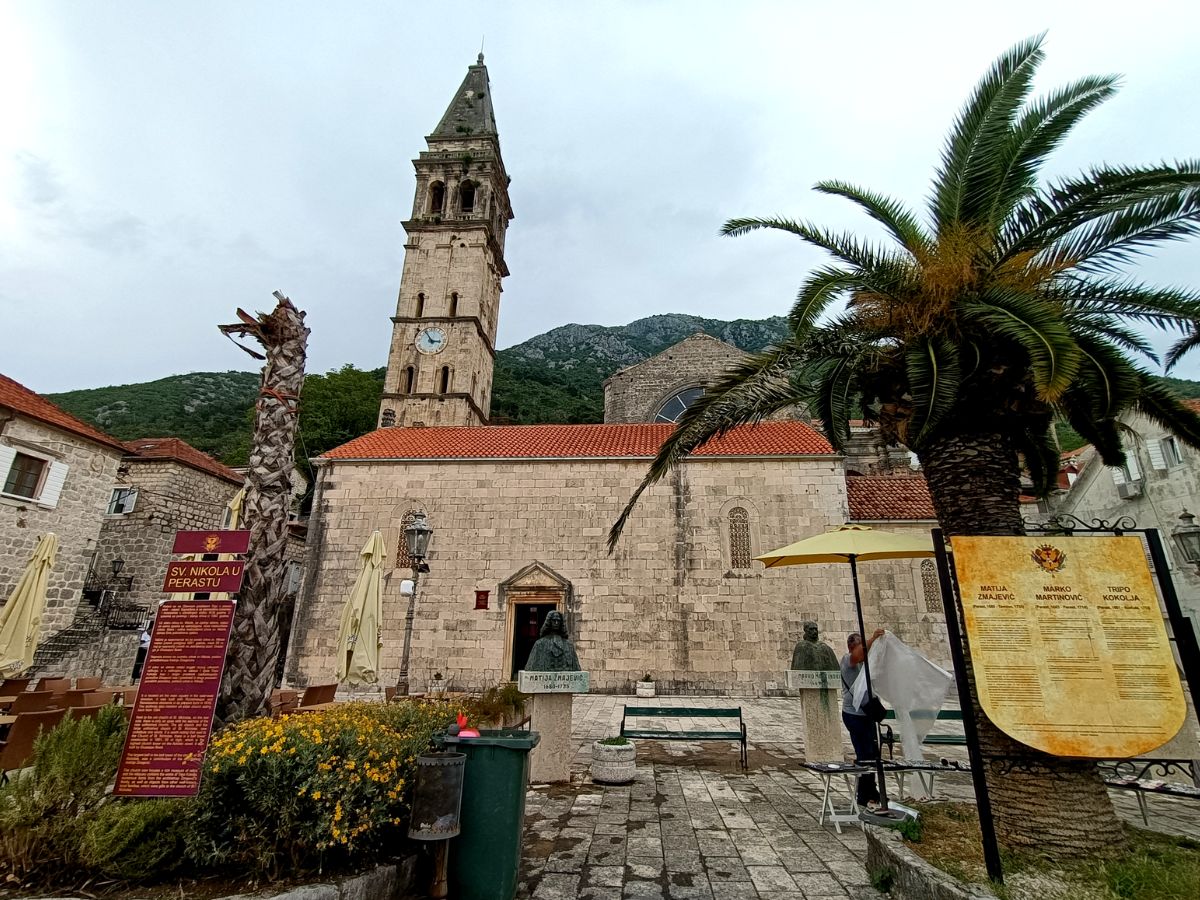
(694, 825)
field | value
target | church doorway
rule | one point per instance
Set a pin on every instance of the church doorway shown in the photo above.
(527, 619)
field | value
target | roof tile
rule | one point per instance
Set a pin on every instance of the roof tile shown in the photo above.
(25, 402)
(183, 452)
(634, 441)
(889, 497)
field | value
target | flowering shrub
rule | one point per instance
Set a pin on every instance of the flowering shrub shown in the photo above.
(310, 789)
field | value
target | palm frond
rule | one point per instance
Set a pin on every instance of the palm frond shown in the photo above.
(902, 224)
(970, 158)
(845, 247)
(1102, 327)
(820, 289)
(934, 380)
(1041, 128)
(1163, 406)
(1181, 348)
(1126, 299)
(745, 393)
(1039, 329)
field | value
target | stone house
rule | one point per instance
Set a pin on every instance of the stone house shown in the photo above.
(56, 474)
(1160, 479)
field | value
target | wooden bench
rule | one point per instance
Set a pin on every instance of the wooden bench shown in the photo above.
(1132, 775)
(946, 740)
(685, 712)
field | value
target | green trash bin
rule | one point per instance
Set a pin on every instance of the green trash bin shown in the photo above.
(486, 856)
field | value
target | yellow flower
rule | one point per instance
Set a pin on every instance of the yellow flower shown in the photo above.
(316, 795)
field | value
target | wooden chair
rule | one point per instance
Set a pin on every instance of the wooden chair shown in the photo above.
(125, 696)
(34, 701)
(55, 683)
(84, 712)
(283, 701)
(15, 752)
(71, 699)
(88, 684)
(14, 686)
(99, 698)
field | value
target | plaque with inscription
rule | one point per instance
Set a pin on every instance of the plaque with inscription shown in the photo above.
(553, 682)
(172, 717)
(806, 679)
(1068, 644)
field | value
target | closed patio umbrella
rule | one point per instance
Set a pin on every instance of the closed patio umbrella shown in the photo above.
(234, 506)
(850, 544)
(358, 638)
(21, 618)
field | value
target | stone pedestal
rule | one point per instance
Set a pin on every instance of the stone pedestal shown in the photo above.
(821, 709)
(550, 702)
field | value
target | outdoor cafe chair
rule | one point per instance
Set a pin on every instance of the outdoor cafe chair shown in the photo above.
(84, 712)
(88, 684)
(34, 701)
(318, 694)
(15, 752)
(14, 686)
(55, 683)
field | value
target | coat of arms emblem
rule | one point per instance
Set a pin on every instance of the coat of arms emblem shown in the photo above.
(211, 543)
(1049, 558)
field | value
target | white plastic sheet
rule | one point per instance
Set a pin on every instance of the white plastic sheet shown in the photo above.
(915, 687)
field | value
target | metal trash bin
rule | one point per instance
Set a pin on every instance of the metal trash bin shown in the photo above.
(437, 797)
(486, 856)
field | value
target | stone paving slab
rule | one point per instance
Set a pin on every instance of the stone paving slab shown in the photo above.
(693, 824)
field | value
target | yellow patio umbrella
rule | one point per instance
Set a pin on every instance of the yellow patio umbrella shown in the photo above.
(21, 618)
(235, 514)
(359, 635)
(849, 544)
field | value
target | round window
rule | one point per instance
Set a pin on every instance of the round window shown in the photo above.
(674, 406)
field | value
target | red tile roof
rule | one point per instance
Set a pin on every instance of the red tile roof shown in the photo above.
(635, 441)
(889, 497)
(182, 452)
(25, 402)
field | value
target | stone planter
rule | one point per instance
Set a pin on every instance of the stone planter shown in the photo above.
(614, 763)
(645, 688)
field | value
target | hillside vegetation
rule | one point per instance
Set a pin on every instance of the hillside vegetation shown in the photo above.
(556, 377)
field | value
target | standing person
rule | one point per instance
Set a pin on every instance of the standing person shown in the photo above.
(862, 730)
(143, 649)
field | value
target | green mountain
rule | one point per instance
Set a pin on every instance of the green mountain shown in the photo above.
(555, 377)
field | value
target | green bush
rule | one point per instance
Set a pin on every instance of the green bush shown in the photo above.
(44, 811)
(310, 790)
(135, 840)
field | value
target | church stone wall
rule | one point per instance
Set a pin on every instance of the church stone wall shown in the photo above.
(76, 519)
(666, 602)
(634, 394)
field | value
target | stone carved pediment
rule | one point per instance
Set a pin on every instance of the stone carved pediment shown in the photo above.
(536, 575)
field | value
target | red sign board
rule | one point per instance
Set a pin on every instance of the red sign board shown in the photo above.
(223, 577)
(211, 542)
(172, 717)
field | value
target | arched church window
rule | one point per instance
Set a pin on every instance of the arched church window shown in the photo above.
(931, 588)
(466, 197)
(388, 419)
(437, 197)
(739, 538)
(420, 306)
(403, 560)
(674, 406)
(410, 379)
(454, 304)
(444, 380)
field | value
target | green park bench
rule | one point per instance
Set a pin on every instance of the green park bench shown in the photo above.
(945, 740)
(685, 712)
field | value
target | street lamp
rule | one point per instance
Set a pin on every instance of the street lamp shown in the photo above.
(416, 535)
(1187, 538)
(118, 564)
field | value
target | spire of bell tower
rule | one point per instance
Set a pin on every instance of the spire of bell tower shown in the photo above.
(470, 112)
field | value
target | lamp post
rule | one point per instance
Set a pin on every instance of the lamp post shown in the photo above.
(1187, 538)
(119, 564)
(416, 535)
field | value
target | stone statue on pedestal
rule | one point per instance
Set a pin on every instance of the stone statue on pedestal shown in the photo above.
(552, 652)
(810, 654)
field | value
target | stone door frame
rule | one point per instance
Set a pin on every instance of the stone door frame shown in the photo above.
(536, 583)
(517, 599)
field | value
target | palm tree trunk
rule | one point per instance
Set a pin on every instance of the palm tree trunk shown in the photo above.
(1057, 806)
(254, 649)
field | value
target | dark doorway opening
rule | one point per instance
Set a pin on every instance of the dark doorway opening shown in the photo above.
(527, 623)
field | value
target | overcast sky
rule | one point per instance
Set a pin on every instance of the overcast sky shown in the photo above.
(162, 163)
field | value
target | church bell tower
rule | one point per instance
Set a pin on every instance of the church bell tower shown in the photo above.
(444, 332)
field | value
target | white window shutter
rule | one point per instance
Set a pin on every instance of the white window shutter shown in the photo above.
(1118, 476)
(1157, 459)
(1131, 465)
(7, 455)
(52, 487)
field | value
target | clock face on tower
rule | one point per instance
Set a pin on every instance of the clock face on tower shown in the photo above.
(431, 340)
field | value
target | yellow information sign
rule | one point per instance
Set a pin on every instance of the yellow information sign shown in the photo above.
(1068, 644)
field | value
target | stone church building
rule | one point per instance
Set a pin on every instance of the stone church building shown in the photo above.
(521, 513)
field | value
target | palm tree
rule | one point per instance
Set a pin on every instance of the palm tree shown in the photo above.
(254, 647)
(969, 333)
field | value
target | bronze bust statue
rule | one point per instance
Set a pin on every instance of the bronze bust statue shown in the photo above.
(552, 652)
(811, 654)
